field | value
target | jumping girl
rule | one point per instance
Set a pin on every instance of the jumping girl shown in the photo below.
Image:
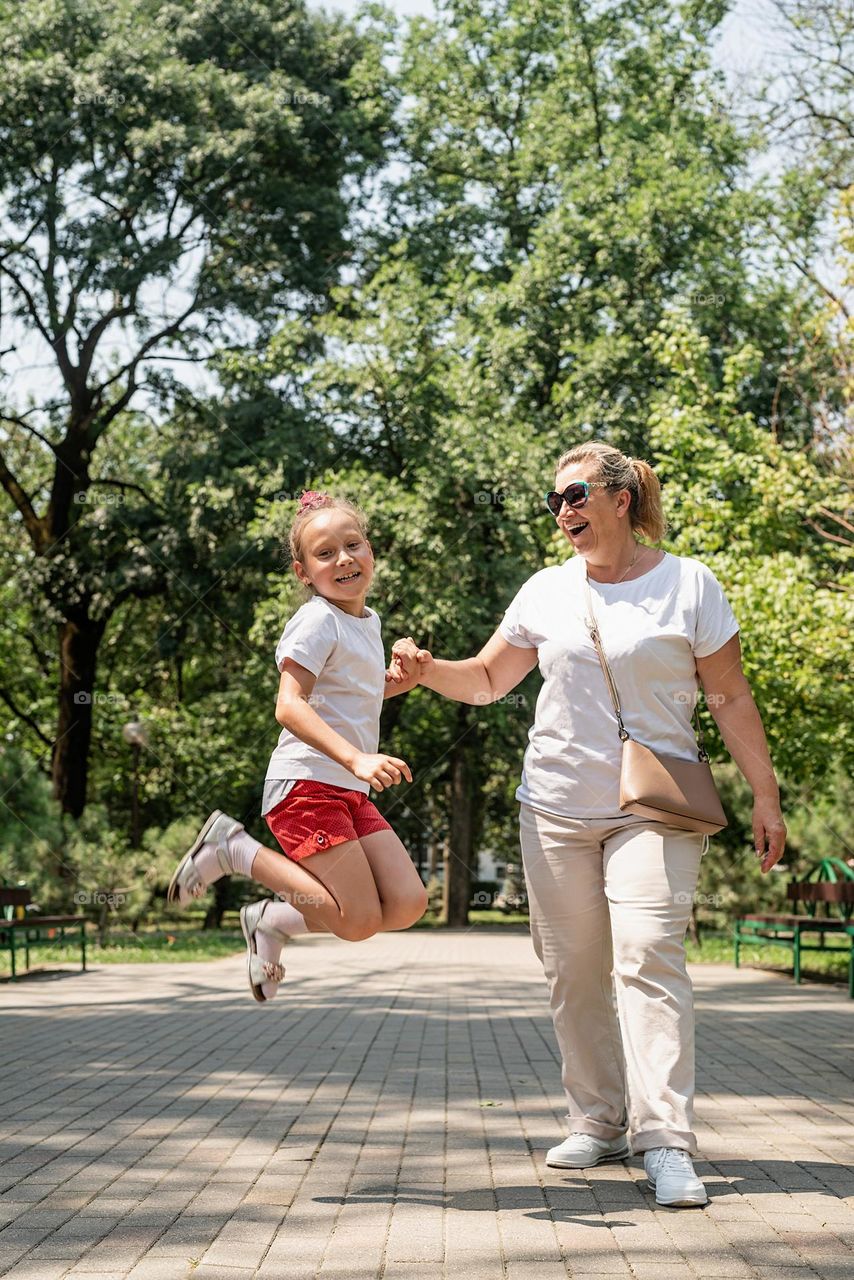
(358, 879)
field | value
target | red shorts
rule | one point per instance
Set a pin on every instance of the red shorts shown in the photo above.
(315, 816)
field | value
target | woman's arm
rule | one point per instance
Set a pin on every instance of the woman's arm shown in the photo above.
(295, 713)
(496, 670)
(737, 716)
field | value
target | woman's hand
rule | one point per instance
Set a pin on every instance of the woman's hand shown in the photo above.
(380, 771)
(411, 661)
(769, 830)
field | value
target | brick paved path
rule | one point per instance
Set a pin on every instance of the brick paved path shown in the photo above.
(387, 1117)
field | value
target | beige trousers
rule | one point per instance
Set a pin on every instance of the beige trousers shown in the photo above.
(610, 903)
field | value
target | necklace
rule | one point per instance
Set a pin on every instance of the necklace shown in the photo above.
(638, 552)
(633, 563)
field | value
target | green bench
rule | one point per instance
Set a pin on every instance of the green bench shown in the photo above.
(790, 931)
(19, 931)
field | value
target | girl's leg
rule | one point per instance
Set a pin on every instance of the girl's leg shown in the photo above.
(339, 876)
(403, 898)
(334, 890)
(397, 885)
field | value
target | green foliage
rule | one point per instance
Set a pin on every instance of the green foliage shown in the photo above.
(573, 245)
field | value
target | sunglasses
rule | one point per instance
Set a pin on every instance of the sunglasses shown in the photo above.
(574, 495)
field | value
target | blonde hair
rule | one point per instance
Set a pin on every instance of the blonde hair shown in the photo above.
(618, 471)
(310, 503)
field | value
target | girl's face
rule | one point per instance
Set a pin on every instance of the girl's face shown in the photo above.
(337, 560)
(600, 524)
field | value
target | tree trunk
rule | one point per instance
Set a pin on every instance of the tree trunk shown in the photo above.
(219, 904)
(78, 654)
(461, 837)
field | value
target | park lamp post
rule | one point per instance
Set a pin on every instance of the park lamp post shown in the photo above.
(136, 735)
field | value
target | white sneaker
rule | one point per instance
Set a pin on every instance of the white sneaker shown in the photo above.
(582, 1151)
(670, 1174)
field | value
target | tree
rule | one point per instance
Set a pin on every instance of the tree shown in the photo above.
(569, 175)
(172, 181)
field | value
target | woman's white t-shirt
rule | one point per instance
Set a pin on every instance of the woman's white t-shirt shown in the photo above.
(346, 655)
(652, 630)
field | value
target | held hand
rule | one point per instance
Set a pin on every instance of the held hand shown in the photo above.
(402, 674)
(380, 771)
(769, 831)
(415, 662)
(398, 679)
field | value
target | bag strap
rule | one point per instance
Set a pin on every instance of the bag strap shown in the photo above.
(609, 679)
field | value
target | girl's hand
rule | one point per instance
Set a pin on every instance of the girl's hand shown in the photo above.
(380, 771)
(397, 673)
(769, 831)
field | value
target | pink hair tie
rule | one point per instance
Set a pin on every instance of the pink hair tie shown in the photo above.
(311, 500)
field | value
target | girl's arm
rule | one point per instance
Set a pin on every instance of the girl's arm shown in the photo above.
(397, 680)
(737, 716)
(295, 713)
(496, 670)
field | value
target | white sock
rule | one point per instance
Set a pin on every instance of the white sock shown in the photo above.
(284, 916)
(268, 949)
(241, 852)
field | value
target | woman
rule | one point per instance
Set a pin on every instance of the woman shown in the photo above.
(610, 892)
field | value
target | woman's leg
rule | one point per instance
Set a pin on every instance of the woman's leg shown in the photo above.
(650, 877)
(562, 858)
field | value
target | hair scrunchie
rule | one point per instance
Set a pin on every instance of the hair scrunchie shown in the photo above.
(311, 500)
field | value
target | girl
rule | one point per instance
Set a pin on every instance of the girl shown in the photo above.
(358, 878)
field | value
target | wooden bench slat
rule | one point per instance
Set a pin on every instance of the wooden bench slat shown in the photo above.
(810, 922)
(29, 921)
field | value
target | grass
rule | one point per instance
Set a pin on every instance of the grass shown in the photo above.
(431, 921)
(717, 948)
(153, 946)
(188, 941)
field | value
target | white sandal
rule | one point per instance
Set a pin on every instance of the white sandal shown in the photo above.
(260, 971)
(187, 883)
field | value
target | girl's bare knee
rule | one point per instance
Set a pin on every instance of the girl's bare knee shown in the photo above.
(402, 913)
(358, 928)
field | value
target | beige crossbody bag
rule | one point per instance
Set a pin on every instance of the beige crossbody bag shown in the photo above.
(681, 793)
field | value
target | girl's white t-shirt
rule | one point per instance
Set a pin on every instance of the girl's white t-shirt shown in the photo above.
(652, 630)
(347, 657)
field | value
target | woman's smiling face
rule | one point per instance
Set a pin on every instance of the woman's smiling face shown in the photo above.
(599, 522)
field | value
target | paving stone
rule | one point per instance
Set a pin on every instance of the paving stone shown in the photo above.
(173, 1130)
